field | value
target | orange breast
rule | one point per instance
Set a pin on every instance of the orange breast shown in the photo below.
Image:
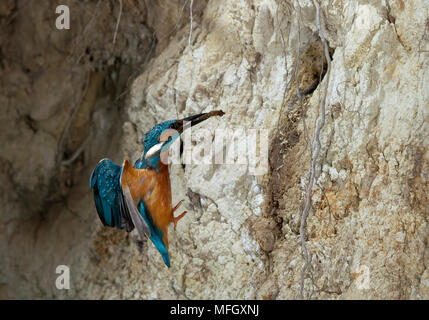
(158, 199)
(154, 189)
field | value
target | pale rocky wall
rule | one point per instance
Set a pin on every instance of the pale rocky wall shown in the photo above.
(240, 238)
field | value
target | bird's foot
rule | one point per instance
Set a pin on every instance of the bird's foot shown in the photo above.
(177, 205)
(176, 219)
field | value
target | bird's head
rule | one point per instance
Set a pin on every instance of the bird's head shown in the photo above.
(158, 139)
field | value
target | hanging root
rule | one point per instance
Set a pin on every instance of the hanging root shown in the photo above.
(315, 152)
(190, 24)
(77, 153)
(117, 21)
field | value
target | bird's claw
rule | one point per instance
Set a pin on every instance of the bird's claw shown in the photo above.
(177, 205)
(176, 219)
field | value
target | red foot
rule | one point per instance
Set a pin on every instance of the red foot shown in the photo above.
(177, 205)
(176, 219)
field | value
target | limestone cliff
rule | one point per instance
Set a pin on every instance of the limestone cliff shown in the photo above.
(72, 97)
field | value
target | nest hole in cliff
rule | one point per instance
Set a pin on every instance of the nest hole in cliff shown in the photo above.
(289, 149)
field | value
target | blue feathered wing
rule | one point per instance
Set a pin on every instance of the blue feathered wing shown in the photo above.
(115, 206)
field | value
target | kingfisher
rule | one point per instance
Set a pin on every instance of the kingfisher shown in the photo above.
(140, 196)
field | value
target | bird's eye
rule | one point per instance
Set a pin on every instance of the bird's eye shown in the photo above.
(176, 125)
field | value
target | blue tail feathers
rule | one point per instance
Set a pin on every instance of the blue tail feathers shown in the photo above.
(156, 234)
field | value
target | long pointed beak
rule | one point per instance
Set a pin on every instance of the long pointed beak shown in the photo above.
(191, 121)
(180, 126)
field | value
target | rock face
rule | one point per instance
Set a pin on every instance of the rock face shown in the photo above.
(261, 62)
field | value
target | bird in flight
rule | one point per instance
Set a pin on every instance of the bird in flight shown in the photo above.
(140, 196)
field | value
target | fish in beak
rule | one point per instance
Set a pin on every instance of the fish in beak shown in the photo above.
(185, 123)
(175, 129)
